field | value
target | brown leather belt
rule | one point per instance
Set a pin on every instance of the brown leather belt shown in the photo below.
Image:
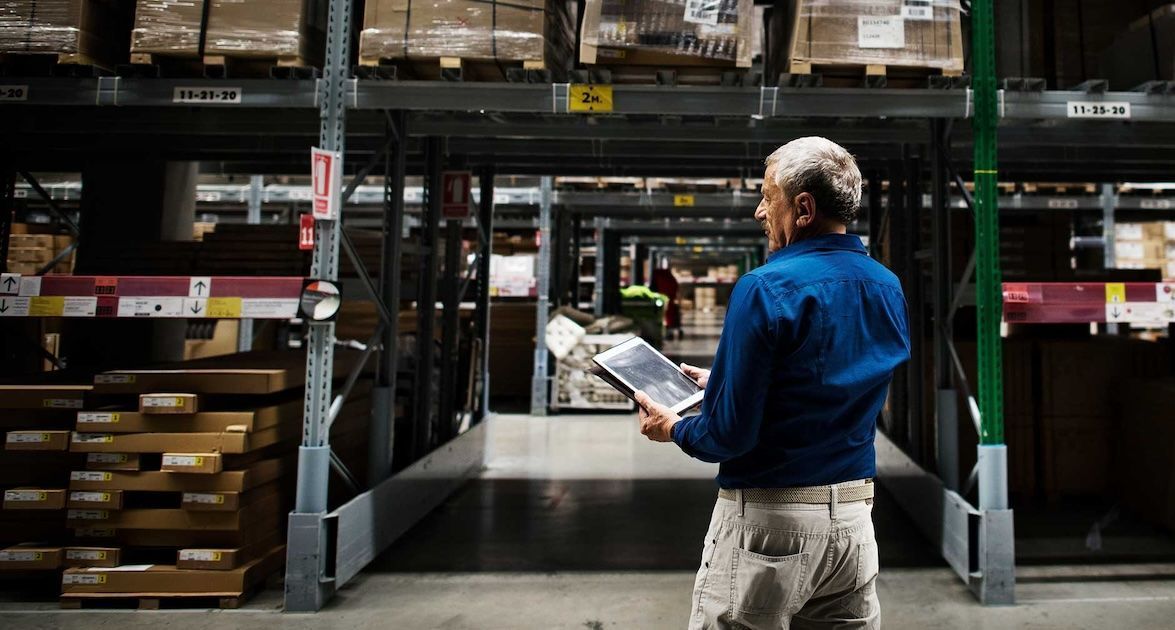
(848, 492)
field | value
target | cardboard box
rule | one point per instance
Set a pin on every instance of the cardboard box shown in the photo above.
(95, 500)
(30, 558)
(30, 241)
(195, 463)
(647, 32)
(1153, 250)
(223, 559)
(37, 440)
(168, 403)
(83, 557)
(273, 29)
(43, 396)
(201, 422)
(266, 514)
(94, 29)
(168, 579)
(228, 381)
(227, 501)
(231, 442)
(34, 499)
(113, 461)
(154, 481)
(1150, 231)
(38, 255)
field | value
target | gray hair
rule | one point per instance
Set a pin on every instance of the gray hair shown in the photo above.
(822, 168)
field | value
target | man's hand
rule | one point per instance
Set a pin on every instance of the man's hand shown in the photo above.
(657, 420)
(698, 374)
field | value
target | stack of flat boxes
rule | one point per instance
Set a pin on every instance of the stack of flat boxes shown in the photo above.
(187, 481)
(29, 253)
(1146, 246)
(34, 473)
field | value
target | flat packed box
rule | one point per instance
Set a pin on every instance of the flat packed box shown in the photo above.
(224, 559)
(201, 422)
(156, 481)
(95, 499)
(266, 514)
(168, 403)
(283, 29)
(43, 396)
(167, 579)
(249, 373)
(113, 461)
(885, 32)
(228, 443)
(82, 557)
(34, 499)
(37, 440)
(227, 501)
(197, 463)
(79, 31)
(659, 32)
(30, 558)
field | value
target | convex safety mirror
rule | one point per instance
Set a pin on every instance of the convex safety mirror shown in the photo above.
(321, 300)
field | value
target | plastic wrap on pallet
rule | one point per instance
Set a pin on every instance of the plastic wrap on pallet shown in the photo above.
(684, 32)
(70, 27)
(482, 30)
(238, 28)
(913, 33)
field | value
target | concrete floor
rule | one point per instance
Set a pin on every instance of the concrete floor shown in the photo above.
(579, 522)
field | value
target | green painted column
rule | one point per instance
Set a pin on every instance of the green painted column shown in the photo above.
(988, 291)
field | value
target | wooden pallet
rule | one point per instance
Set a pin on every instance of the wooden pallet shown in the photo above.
(51, 64)
(453, 69)
(666, 75)
(156, 601)
(155, 65)
(808, 74)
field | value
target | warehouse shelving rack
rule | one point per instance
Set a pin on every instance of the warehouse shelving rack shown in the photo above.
(653, 130)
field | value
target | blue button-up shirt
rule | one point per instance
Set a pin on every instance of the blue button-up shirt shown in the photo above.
(808, 349)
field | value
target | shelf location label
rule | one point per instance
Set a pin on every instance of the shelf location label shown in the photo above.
(14, 92)
(208, 96)
(1098, 109)
(589, 98)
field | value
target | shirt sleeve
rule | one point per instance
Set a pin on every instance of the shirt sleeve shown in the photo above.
(732, 410)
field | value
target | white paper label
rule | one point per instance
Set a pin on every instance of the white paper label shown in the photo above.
(24, 496)
(92, 438)
(205, 499)
(1156, 204)
(183, 461)
(1128, 231)
(150, 307)
(702, 11)
(886, 31)
(89, 475)
(14, 92)
(28, 438)
(9, 283)
(80, 307)
(169, 402)
(63, 403)
(85, 554)
(90, 497)
(87, 515)
(1062, 204)
(1140, 313)
(922, 10)
(208, 96)
(114, 379)
(269, 308)
(1099, 109)
(14, 306)
(20, 556)
(95, 532)
(30, 286)
(199, 555)
(98, 417)
(82, 579)
(195, 307)
(1165, 293)
(106, 458)
(199, 286)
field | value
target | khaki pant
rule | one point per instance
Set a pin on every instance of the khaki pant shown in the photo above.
(788, 565)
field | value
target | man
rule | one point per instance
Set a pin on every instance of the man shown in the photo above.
(807, 353)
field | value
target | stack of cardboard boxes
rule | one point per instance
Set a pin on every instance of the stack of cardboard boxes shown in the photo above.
(29, 253)
(1149, 245)
(34, 472)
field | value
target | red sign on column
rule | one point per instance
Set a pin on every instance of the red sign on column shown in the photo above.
(306, 232)
(326, 169)
(457, 196)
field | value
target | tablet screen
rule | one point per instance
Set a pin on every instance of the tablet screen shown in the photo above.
(645, 369)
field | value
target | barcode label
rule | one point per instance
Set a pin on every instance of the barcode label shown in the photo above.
(28, 438)
(702, 11)
(84, 554)
(106, 458)
(92, 438)
(114, 379)
(207, 499)
(90, 497)
(162, 401)
(918, 10)
(183, 460)
(63, 403)
(86, 475)
(87, 515)
(24, 496)
(95, 532)
(98, 418)
(20, 556)
(82, 579)
(199, 555)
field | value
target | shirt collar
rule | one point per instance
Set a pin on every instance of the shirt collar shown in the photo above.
(824, 242)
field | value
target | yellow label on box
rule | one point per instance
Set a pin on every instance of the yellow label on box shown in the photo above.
(47, 306)
(1115, 292)
(224, 307)
(589, 98)
(683, 201)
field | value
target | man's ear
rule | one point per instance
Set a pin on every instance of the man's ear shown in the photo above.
(805, 209)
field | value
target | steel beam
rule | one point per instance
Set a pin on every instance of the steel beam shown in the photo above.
(540, 385)
(485, 228)
(946, 406)
(451, 297)
(424, 399)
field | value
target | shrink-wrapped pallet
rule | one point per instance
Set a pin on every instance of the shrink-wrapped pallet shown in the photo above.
(78, 31)
(906, 33)
(668, 32)
(278, 29)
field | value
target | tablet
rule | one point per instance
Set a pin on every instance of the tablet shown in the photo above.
(636, 365)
